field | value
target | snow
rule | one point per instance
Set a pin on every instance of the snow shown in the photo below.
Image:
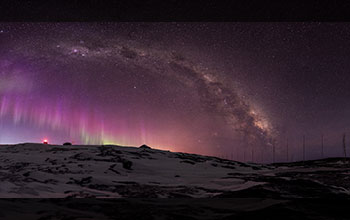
(51, 171)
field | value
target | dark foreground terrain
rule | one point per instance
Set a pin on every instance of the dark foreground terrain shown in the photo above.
(113, 182)
(176, 208)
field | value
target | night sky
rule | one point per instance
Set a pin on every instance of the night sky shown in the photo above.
(223, 89)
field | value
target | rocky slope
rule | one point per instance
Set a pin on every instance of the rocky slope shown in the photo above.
(49, 171)
(135, 182)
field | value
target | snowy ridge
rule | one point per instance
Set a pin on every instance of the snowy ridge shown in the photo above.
(53, 171)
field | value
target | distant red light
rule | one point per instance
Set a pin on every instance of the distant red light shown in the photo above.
(45, 141)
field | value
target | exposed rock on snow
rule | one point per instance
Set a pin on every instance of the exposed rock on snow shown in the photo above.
(49, 171)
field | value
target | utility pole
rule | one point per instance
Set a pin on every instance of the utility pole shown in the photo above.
(244, 156)
(287, 150)
(273, 150)
(303, 147)
(344, 146)
(322, 147)
(253, 155)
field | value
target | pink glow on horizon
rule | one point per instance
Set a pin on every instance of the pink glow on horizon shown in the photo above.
(86, 125)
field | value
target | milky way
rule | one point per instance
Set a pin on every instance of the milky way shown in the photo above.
(167, 85)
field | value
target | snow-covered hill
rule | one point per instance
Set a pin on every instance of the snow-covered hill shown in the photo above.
(48, 171)
(52, 171)
(132, 183)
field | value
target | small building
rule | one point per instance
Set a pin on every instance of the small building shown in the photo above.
(144, 146)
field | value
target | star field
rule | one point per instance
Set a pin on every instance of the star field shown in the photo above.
(224, 89)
